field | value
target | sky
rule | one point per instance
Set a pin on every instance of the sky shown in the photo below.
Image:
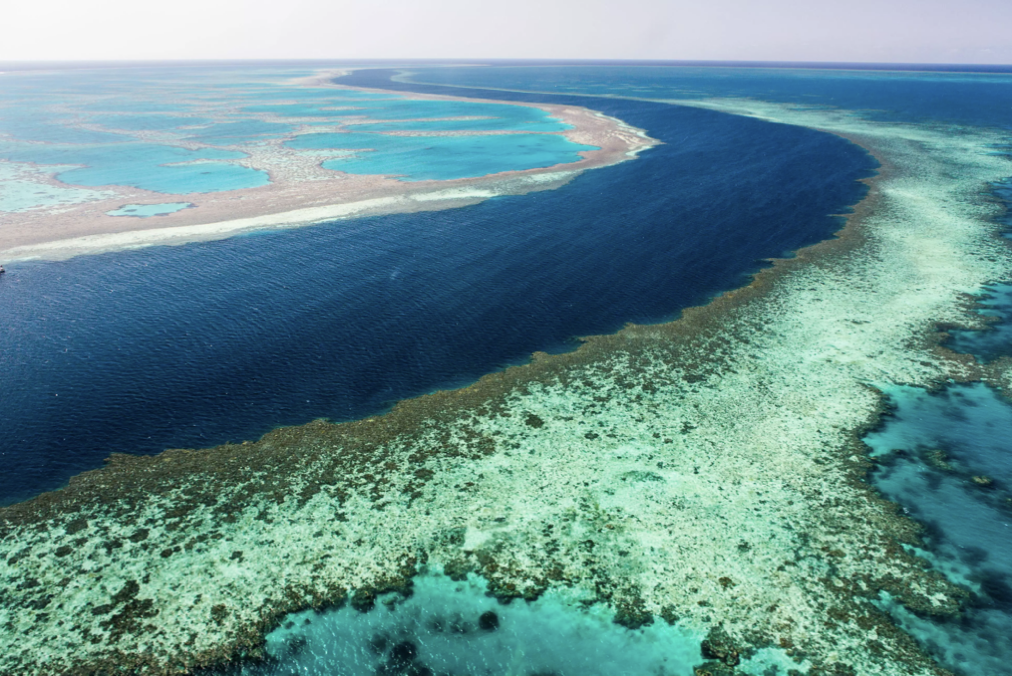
(883, 31)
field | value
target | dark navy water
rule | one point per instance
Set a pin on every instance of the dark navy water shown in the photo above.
(196, 345)
(946, 457)
(981, 99)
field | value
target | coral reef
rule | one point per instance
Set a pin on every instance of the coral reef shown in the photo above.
(706, 472)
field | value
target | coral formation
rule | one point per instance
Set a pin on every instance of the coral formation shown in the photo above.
(707, 472)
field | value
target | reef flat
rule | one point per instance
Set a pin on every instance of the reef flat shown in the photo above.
(283, 163)
(707, 472)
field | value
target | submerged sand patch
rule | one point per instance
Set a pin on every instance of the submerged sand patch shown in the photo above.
(707, 472)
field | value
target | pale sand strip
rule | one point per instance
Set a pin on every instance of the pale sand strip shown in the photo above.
(446, 198)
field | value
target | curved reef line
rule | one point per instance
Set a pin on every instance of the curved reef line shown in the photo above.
(707, 471)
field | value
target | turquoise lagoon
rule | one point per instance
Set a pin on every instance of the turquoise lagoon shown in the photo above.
(351, 104)
(243, 131)
(43, 128)
(481, 124)
(126, 107)
(148, 122)
(447, 626)
(996, 340)
(160, 168)
(180, 131)
(20, 190)
(417, 158)
(946, 457)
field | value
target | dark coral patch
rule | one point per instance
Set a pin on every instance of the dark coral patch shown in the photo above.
(534, 421)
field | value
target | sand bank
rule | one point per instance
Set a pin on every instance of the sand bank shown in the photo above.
(300, 192)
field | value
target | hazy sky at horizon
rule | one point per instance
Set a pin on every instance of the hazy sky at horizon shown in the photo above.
(899, 31)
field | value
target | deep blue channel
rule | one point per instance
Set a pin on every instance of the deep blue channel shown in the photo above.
(195, 345)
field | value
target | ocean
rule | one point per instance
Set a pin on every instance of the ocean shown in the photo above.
(192, 346)
(195, 345)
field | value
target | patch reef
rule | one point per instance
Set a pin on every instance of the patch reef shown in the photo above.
(706, 472)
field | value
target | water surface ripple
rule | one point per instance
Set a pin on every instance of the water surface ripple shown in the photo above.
(196, 345)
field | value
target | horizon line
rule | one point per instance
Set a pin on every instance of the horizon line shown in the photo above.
(815, 65)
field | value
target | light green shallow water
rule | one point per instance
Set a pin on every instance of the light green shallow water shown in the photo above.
(457, 627)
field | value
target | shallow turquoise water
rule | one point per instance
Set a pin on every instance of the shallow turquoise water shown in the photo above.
(337, 109)
(450, 157)
(932, 447)
(417, 158)
(18, 194)
(228, 133)
(441, 625)
(180, 180)
(455, 627)
(996, 340)
(147, 122)
(47, 129)
(350, 141)
(142, 165)
(400, 114)
(128, 104)
(523, 118)
(68, 118)
(312, 94)
(488, 124)
(147, 210)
